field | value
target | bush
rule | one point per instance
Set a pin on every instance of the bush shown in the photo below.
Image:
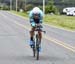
(0, 8)
(6, 8)
(28, 7)
(51, 9)
(41, 7)
(47, 10)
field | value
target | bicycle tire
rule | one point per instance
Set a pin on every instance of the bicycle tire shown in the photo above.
(37, 47)
(37, 55)
(34, 52)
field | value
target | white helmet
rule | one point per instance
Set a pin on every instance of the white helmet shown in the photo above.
(36, 10)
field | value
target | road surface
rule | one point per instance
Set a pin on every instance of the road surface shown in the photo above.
(58, 46)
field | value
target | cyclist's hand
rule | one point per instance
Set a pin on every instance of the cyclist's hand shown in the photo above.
(33, 24)
(40, 25)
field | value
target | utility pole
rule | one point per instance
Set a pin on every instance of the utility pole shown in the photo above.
(16, 5)
(25, 4)
(10, 5)
(44, 7)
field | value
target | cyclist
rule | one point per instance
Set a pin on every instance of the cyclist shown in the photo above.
(36, 17)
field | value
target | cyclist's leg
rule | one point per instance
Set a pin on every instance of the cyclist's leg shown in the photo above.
(40, 36)
(32, 33)
(31, 36)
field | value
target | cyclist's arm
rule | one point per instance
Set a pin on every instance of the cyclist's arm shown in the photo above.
(31, 17)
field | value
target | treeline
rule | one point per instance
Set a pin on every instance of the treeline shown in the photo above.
(53, 6)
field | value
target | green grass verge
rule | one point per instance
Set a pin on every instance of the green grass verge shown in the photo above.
(67, 22)
(24, 14)
(61, 21)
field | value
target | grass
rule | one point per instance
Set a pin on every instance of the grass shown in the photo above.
(63, 21)
(24, 14)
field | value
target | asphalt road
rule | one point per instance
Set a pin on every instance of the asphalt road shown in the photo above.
(58, 46)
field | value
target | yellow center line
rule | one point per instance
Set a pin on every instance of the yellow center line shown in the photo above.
(59, 43)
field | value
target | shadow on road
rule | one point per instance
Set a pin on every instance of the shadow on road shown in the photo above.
(31, 58)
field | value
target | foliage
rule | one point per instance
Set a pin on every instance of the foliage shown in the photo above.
(29, 7)
(4, 7)
(51, 8)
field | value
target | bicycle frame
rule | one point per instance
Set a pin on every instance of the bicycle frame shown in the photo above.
(36, 42)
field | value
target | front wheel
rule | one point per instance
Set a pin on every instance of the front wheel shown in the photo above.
(34, 52)
(37, 58)
(37, 47)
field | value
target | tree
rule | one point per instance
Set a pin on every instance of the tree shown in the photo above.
(51, 8)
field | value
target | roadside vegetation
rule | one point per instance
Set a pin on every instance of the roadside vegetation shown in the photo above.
(24, 14)
(67, 22)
